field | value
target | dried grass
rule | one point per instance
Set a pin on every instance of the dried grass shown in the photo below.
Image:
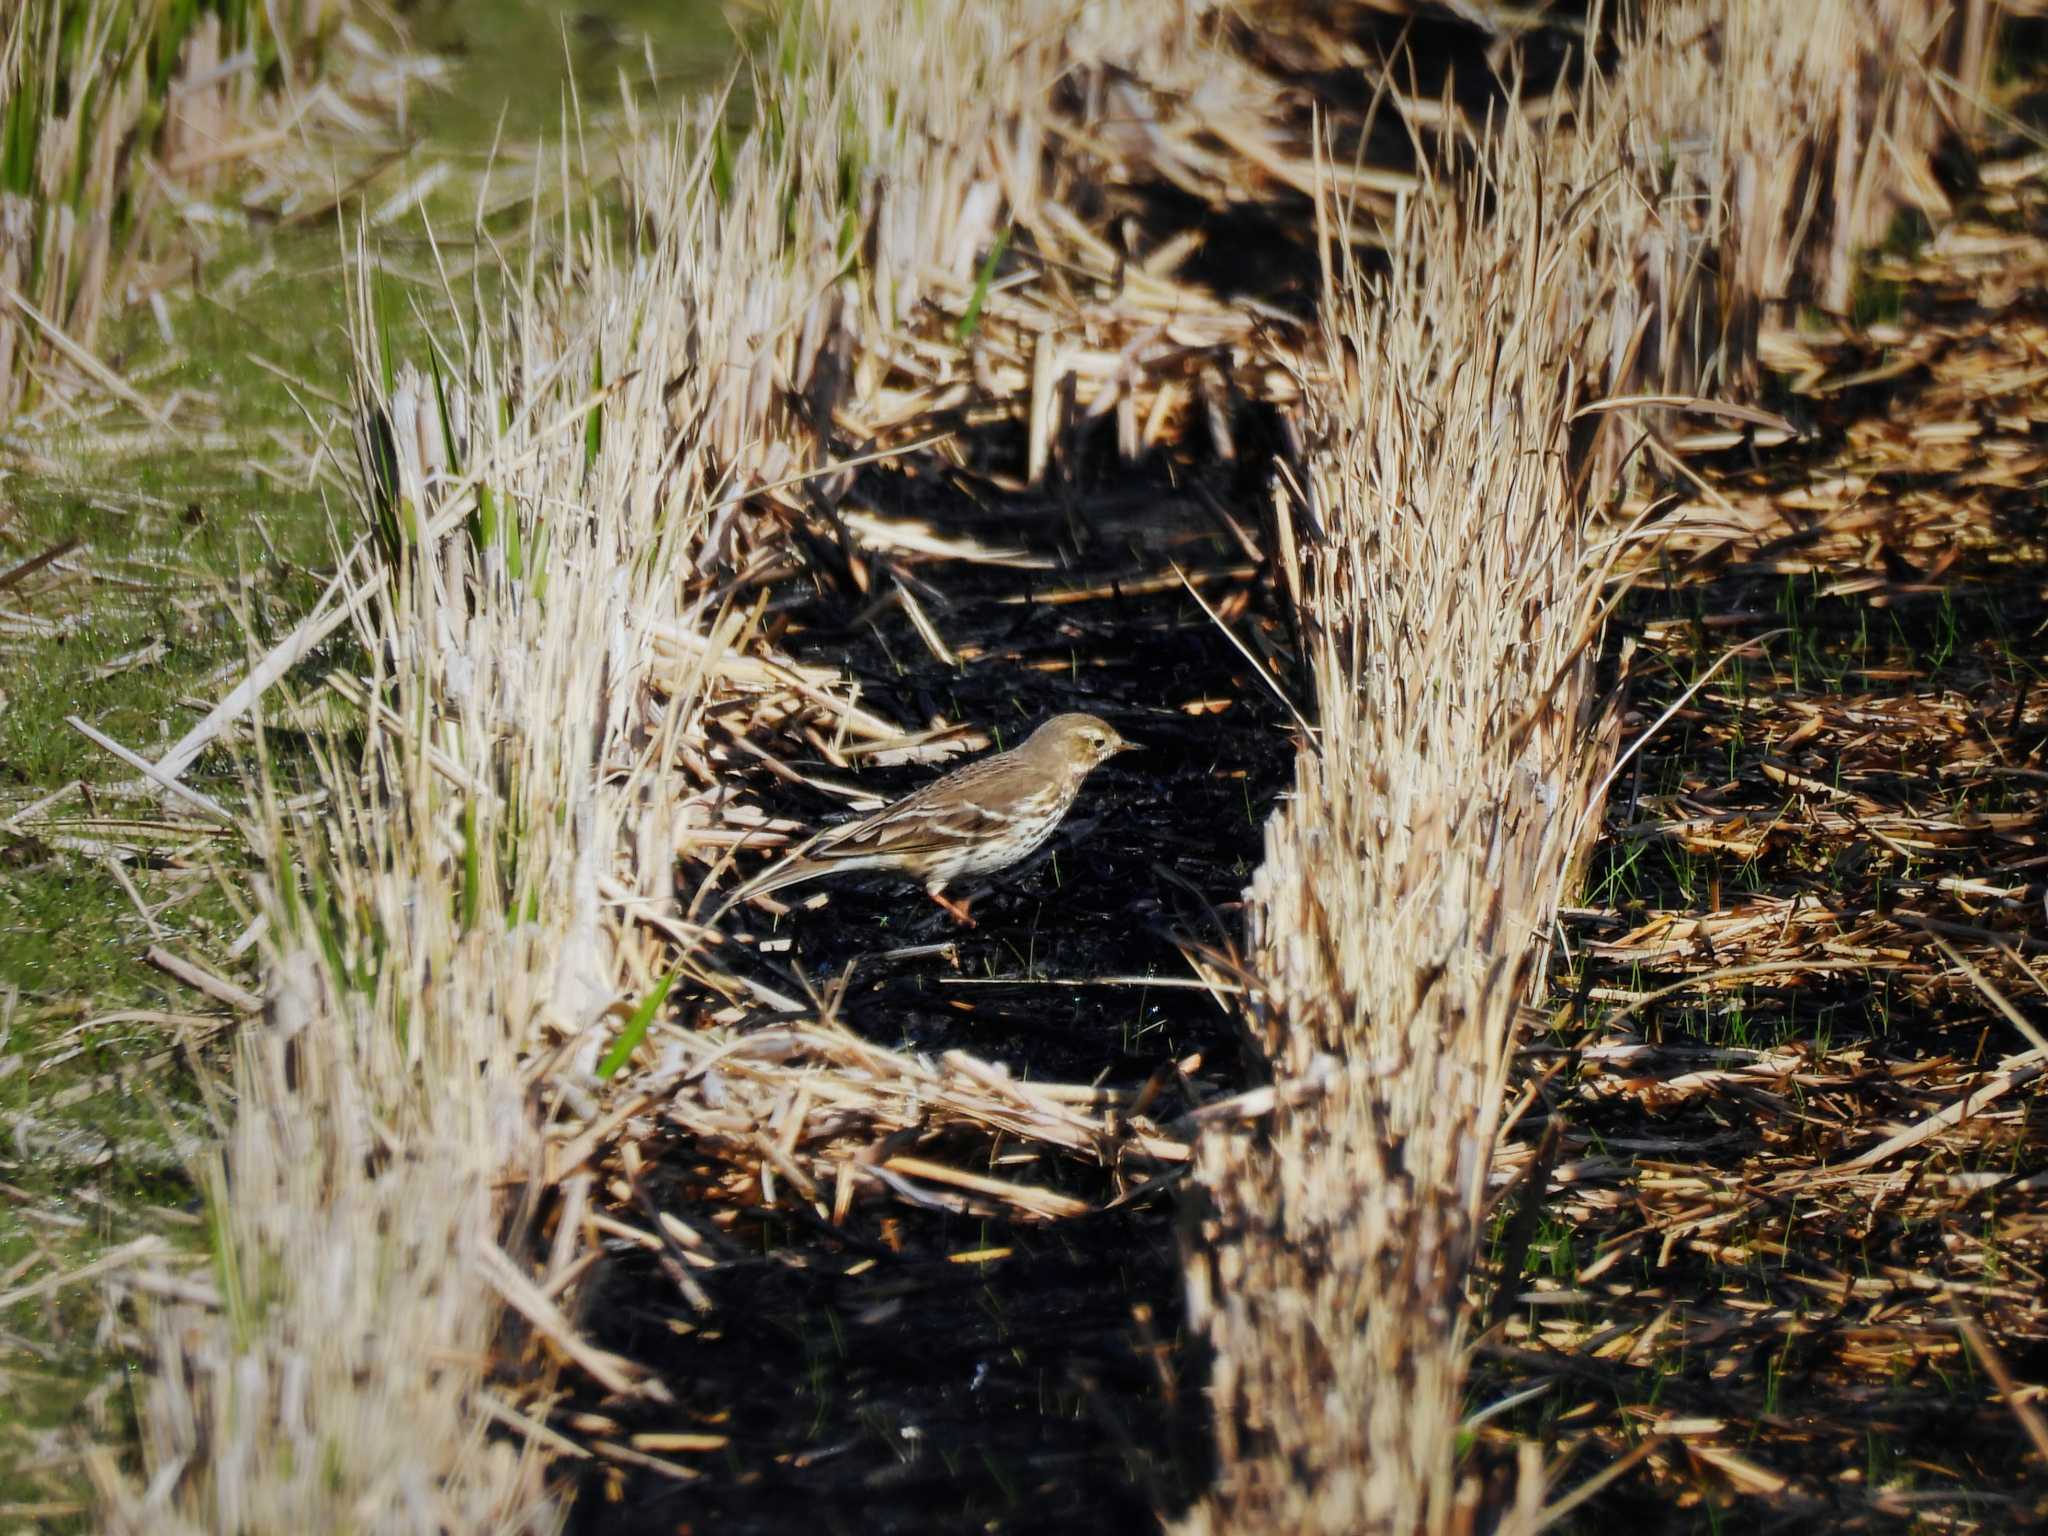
(441, 914)
(1790, 1108)
(119, 118)
(1404, 895)
(1773, 154)
(1407, 898)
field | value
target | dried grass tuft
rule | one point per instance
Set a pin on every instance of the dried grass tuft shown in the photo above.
(122, 119)
(1406, 891)
(1409, 891)
(1770, 149)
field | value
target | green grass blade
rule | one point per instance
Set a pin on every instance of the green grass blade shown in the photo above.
(636, 1027)
(982, 280)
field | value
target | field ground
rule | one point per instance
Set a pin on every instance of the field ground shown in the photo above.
(1784, 1262)
(1791, 1263)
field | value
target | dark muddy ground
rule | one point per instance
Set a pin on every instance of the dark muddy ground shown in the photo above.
(1050, 1387)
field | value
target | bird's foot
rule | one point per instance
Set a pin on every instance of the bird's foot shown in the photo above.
(957, 910)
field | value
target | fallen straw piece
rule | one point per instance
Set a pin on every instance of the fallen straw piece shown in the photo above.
(217, 987)
(128, 1253)
(1044, 1202)
(2026, 1070)
(281, 658)
(166, 782)
(610, 1371)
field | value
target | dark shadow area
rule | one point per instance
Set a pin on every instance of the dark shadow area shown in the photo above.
(867, 1374)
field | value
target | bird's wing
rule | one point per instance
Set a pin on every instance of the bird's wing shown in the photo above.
(965, 807)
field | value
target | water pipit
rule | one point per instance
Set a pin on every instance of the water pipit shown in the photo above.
(985, 816)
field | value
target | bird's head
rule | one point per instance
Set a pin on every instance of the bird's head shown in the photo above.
(1079, 742)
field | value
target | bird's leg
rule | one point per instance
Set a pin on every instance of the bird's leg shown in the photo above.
(957, 910)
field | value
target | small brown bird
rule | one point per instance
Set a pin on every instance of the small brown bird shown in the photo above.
(978, 819)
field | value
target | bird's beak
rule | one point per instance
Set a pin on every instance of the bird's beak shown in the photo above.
(1130, 746)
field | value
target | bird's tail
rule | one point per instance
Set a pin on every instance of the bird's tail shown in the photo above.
(790, 871)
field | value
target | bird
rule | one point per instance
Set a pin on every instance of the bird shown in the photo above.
(982, 817)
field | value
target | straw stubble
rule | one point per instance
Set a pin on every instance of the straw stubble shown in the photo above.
(1403, 911)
